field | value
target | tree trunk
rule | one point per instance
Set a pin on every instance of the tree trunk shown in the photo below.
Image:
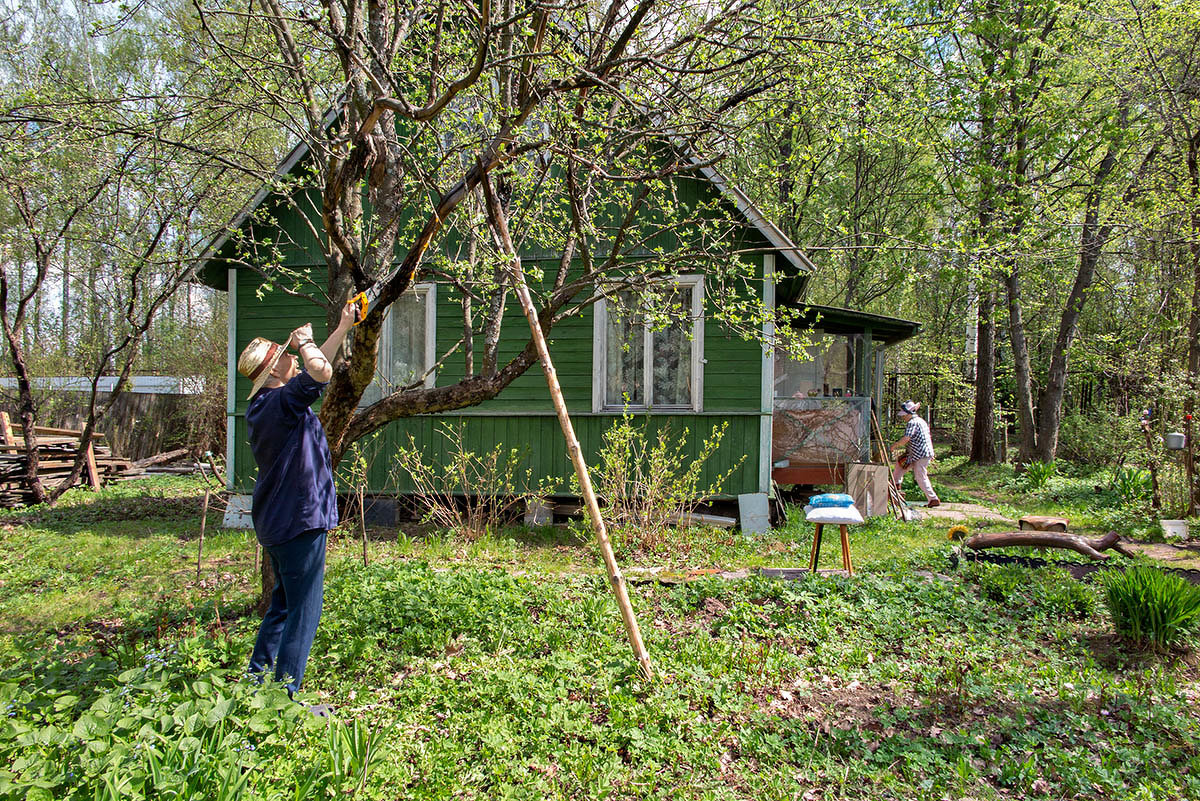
(1024, 372)
(1092, 240)
(27, 407)
(983, 433)
(28, 412)
(64, 344)
(1193, 354)
(1152, 466)
(1046, 539)
(266, 577)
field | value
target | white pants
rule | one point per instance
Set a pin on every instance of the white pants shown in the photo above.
(920, 471)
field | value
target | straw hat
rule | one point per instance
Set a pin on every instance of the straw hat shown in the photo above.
(258, 360)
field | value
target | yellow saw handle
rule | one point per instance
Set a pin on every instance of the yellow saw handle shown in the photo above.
(360, 303)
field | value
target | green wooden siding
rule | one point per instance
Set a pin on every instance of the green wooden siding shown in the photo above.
(731, 371)
(540, 444)
(522, 415)
(274, 316)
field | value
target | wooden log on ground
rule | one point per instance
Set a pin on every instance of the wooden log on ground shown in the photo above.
(698, 519)
(161, 458)
(1047, 539)
(175, 470)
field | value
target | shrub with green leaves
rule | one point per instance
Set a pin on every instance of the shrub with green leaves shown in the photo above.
(471, 494)
(1038, 474)
(1132, 484)
(1150, 608)
(650, 481)
(163, 731)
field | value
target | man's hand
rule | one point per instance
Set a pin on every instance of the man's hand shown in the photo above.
(349, 316)
(338, 335)
(300, 336)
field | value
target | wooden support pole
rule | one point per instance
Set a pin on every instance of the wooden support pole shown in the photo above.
(203, 521)
(517, 276)
(896, 503)
(1189, 465)
(362, 519)
(1152, 465)
(89, 460)
(6, 430)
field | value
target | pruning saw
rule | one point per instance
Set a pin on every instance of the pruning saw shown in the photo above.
(363, 300)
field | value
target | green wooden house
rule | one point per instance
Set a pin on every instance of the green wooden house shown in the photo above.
(791, 421)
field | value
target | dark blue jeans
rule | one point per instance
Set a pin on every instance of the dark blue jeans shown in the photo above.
(286, 634)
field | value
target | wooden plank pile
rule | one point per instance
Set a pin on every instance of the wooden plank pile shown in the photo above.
(57, 450)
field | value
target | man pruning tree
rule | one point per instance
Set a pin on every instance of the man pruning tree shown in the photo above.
(294, 499)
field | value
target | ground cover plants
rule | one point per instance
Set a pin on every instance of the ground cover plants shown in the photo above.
(498, 668)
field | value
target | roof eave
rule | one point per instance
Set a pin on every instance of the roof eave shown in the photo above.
(777, 239)
(293, 158)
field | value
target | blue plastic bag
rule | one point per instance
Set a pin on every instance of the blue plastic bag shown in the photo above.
(830, 499)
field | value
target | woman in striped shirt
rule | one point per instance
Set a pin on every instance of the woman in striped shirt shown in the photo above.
(918, 452)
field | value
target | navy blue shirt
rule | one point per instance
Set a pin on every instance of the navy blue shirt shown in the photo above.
(294, 491)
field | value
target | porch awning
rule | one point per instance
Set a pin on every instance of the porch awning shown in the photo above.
(833, 320)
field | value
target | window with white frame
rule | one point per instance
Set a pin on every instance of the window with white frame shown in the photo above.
(406, 344)
(638, 365)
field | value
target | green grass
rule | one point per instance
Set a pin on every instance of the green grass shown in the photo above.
(499, 669)
(1086, 495)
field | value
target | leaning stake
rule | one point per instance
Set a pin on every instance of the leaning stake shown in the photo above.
(200, 544)
(564, 419)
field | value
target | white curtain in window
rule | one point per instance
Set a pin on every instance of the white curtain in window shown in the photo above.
(401, 357)
(672, 353)
(625, 359)
(408, 340)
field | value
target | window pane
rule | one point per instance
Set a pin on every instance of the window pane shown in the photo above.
(804, 377)
(839, 367)
(624, 381)
(408, 340)
(672, 348)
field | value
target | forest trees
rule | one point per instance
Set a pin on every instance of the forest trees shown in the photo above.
(1022, 178)
(110, 167)
(1024, 161)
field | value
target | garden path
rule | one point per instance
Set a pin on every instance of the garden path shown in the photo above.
(964, 512)
(1179, 556)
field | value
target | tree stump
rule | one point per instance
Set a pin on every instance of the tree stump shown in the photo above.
(1043, 523)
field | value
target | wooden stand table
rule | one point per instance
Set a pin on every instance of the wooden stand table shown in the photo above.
(816, 548)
